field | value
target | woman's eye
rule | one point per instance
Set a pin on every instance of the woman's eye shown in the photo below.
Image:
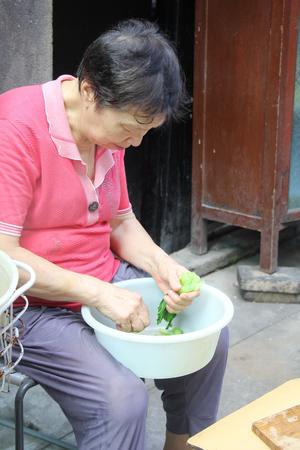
(127, 130)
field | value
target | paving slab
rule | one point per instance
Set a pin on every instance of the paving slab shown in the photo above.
(260, 363)
(249, 317)
(283, 286)
(284, 280)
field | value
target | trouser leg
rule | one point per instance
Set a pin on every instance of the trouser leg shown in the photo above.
(105, 403)
(191, 402)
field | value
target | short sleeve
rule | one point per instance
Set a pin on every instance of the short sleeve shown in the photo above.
(18, 176)
(124, 205)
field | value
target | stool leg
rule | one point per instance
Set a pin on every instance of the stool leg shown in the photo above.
(26, 384)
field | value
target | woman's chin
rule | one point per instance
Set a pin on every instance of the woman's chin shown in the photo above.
(115, 147)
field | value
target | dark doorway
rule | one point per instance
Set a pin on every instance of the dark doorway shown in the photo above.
(159, 171)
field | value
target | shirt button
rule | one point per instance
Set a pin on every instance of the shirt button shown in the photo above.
(93, 206)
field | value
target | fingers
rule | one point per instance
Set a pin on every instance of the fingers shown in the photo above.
(125, 308)
(134, 324)
(136, 320)
(176, 302)
(124, 327)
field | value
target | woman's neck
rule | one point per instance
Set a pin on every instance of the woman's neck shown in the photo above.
(73, 105)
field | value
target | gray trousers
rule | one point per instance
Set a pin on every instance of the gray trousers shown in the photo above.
(106, 403)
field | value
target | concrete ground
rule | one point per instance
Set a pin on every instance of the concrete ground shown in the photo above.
(264, 352)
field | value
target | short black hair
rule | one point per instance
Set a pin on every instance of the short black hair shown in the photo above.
(135, 64)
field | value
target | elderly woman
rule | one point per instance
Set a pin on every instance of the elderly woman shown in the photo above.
(64, 209)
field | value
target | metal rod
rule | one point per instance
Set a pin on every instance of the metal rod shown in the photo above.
(26, 384)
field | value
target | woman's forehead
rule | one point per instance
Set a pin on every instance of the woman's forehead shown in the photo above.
(139, 120)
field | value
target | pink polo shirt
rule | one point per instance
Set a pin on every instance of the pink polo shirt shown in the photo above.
(46, 197)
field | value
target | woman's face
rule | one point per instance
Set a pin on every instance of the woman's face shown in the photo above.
(113, 128)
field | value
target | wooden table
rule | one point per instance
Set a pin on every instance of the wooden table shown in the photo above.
(233, 432)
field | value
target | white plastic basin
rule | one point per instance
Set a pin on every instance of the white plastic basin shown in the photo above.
(157, 356)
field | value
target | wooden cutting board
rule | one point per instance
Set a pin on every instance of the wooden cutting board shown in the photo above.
(280, 431)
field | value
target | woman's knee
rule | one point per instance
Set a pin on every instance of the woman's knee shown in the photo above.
(127, 397)
(122, 397)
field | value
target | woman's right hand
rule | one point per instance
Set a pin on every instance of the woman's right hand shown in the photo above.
(124, 307)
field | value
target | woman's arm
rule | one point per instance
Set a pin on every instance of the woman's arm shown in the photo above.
(131, 242)
(57, 284)
(52, 282)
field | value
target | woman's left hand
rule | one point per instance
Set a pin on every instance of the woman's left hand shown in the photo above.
(167, 275)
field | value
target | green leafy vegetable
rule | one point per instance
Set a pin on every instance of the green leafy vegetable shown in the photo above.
(189, 281)
(171, 331)
(163, 314)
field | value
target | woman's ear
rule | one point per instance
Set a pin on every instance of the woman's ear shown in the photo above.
(87, 91)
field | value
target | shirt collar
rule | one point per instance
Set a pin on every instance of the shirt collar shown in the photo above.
(59, 128)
